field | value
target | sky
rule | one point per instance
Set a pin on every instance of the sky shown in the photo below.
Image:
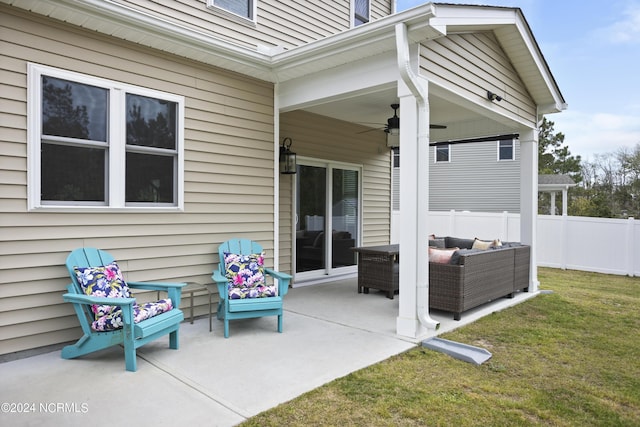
(593, 51)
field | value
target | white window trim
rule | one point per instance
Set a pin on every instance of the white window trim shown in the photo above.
(435, 154)
(117, 142)
(513, 151)
(228, 14)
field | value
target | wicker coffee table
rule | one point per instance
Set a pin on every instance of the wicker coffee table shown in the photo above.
(378, 268)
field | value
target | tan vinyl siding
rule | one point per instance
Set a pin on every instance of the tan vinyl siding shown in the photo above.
(380, 9)
(286, 23)
(323, 138)
(228, 164)
(471, 64)
(474, 180)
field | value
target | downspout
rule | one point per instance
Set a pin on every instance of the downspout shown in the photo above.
(411, 80)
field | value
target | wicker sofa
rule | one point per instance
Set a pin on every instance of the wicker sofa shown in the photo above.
(474, 277)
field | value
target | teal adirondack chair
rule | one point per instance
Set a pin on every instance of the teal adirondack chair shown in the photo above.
(120, 328)
(242, 295)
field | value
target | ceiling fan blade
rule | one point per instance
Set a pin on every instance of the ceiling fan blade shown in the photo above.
(437, 127)
(369, 130)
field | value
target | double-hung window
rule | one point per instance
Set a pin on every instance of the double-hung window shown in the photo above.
(442, 153)
(95, 143)
(506, 149)
(242, 8)
(361, 10)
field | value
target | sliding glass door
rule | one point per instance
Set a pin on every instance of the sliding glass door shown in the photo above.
(327, 198)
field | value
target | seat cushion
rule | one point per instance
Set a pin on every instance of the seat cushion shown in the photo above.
(113, 320)
(246, 276)
(106, 281)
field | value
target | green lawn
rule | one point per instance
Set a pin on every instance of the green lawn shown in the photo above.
(570, 358)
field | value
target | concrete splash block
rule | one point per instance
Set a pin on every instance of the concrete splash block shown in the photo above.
(466, 352)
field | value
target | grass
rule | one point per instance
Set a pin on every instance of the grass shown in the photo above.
(570, 358)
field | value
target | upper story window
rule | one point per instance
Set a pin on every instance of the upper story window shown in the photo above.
(361, 9)
(442, 153)
(97, 143)
(243, 8)
(506, 149)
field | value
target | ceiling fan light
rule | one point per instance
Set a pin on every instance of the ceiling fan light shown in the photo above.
(393, 123)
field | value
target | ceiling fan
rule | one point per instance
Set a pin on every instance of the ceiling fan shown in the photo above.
(393, 123)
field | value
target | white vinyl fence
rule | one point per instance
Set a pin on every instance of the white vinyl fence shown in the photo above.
(569, 242)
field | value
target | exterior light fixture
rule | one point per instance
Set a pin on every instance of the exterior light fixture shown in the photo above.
(287, 157)
(493, 96)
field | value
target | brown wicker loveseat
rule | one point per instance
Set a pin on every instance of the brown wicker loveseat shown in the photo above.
(474, 277)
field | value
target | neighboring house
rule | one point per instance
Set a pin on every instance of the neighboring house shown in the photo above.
(477, 175)
(152, 130)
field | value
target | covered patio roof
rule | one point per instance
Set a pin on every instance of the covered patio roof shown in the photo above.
(353, 76)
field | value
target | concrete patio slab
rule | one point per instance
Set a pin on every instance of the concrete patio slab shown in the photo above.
(329, 331)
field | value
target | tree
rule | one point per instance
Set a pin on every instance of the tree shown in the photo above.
(59, 115)
(554, 158)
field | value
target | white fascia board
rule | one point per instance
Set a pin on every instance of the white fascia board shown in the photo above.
(555, 187)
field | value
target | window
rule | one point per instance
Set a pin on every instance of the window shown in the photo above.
(395, 179)
(98, 143)
(505, 149)
(442, 153)
(242, 8)
(360, 12)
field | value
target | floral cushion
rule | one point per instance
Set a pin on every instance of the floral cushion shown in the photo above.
(246, 276)
(113, 320)
(106, 281)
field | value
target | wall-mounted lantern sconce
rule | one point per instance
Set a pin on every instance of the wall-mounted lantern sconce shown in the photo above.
(493, 96)
(287, 157)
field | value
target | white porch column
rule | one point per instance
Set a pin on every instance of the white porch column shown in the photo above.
(529, 198)
(553, 203)
(564, 201)
(413, 215)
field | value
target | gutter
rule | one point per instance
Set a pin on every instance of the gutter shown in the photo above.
(411, 80)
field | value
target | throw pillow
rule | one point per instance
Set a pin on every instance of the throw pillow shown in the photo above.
(244, 270)
(485, 244)
(441, 256)
(105, 281)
